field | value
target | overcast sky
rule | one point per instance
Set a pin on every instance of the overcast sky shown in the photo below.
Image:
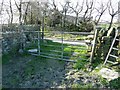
(105, 17)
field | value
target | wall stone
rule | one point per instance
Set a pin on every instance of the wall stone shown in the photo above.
(13, 38)
(104, 45)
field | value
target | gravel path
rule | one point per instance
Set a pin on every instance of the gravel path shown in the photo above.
(82, 42)
(36, 72)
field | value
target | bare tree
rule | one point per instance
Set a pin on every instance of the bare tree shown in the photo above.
(8, 15)
(100, 12)
(19, 7)
(54, 5)
(1, 7)
(26, 12)
(89, 6)
(33, 12)
(44, 8)
(54, 14)
(21, 38)
(11, 11)
(77, 10)
(43, 21)
(112, 13)
(65, 9)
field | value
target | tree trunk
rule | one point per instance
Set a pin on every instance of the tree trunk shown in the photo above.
(111, 22)
(1, 6)
(11, 20)
(64, 20)
(96, 23)
(31, 18)
(19, 7)
(25, 20)
(84, 16)
(76, 19)
(20, 17)
(43, 25)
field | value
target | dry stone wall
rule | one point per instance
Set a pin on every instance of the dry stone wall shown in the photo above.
(12, 37)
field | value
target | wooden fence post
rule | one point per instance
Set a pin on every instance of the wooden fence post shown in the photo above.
(94, 46)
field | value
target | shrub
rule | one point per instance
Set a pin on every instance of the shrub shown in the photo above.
(86, 26)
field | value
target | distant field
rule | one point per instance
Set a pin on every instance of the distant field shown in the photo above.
(107, 25)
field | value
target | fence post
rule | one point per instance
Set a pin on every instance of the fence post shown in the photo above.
(94, 46)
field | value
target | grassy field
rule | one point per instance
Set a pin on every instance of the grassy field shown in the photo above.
(63, 51)
(38, 64)
(53, 33)
(54, 50)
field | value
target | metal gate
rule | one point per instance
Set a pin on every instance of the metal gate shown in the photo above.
(60, 45)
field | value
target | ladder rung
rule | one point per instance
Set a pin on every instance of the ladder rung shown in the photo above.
(114, 56)
(117, 39)
(111, 62)
(115, 48)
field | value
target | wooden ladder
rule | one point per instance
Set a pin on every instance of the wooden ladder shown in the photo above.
(112, 48)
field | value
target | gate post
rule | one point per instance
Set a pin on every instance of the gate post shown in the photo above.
(94, 46)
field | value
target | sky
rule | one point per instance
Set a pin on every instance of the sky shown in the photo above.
(106, 17)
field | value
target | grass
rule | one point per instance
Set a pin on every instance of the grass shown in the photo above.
(70, 52)
(9, 56)
(66, 36)
(15, 80)
(82, 87)
(80, 64)
(6, 58)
